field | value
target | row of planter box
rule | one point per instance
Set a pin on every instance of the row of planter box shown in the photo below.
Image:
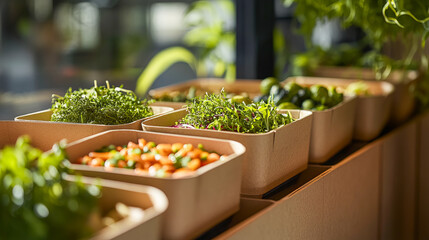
(378, 191)
(212, 194)
(361, 197)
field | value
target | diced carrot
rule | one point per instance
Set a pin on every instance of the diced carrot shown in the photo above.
(142, 143)
(148, 157)
(194, 164)
(212, 157)
(188, 147)
(103, 155)
(154, 168)
(124, 152)
(169, 168)
(176, 147)
(150, 145)
(97, 162)
(164, 149)
(122, 164)
(194, 153)
(164, 160)
(85, 160)
(146, 165)
(132, 145)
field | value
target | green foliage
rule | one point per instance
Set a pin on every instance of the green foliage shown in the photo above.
(161, 62)
(365, 14)
(411, 16)
(36, 201)
(211, 36)
(99, 105)
(215, 111)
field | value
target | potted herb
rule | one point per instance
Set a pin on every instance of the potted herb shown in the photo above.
(40, 197)
(276, 143)
(83, 112)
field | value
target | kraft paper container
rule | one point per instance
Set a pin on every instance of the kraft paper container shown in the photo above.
(331, 129)
(207, 84)
(270, 159)
(197, 202)
(403, 103)
(147, 207)
(55, 131)
(372, 112)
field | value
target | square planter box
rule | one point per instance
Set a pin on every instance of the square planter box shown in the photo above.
(55, 131)
(196, 202)
(270, 159)
(206, 84)
(147, 207)
(332, 129)
(403, 103)
(372, 112)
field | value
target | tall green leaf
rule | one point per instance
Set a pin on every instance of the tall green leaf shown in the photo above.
(161, 62)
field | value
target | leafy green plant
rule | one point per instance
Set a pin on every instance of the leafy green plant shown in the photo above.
(211, 36)
(215, 111)
(411, 16)
(99, 105)
(36, 201)
(367, 15)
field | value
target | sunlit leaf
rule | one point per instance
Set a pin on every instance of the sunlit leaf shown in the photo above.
(160, 63)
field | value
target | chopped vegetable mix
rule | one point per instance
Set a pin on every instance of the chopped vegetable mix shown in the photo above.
(99, 105)
(238, 114)
(160, 160)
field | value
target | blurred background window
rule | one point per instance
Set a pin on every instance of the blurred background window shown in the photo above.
(47, 46)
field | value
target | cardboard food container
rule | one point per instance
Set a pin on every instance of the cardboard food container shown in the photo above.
(403, 103)
(213, 85)
(196, 202)
(55, 131)
(332, 129)
(372, 112)
(147, 207)
(270, 159)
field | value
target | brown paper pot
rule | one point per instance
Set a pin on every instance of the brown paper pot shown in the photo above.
(331, 129)
(373, 111)
(52, 132)
(140, 224)
(197, 202)
(208, 84)
(403, 103)
(270, 159)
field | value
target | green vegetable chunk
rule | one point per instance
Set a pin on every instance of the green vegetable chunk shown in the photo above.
(266, 85)
(99, 105)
